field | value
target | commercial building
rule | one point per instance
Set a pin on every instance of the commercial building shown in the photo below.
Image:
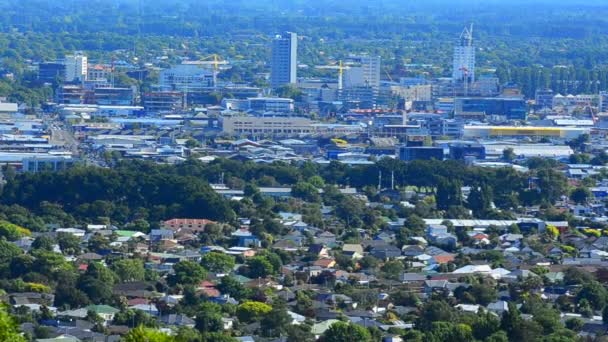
(114, 96)
(76, 67)
(603, 102)
(261, 125)
(284, 60)
(186, 78)
(409, 153)
(51, 72)
(523, 131)
(495, 150)
(580, 100)
(362, 71)
(510, 108)
(163, 101)
(463, 69)
(462, 151)
(544, 98)
(271, 104)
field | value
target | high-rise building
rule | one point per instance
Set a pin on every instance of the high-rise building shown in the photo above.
(76, 67)
(284, 60)
(603, 103)
(464, 57)
(364, 72)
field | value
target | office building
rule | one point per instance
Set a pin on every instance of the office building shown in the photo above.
(462, 151)
(363, 71)
(284, 60)
(163, 101)
(603, 102)
(114, 96)
(464, 58)
(544, 98)
(262, 125)
(186, 78)
(510, 108)
(409, 153)
(271, 104)
(76, 67)
(51, 72)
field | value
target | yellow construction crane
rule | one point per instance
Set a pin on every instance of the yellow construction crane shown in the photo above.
(341, 67)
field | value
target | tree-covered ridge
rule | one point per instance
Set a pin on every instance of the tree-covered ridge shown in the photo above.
(136, 191)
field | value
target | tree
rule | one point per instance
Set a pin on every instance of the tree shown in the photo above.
(218, 262)
(508, 155)
(581, 195)
(448, 193)
(552, 184)
(8, 328)
(434, 311)
(595, 293)
(480, 199)
(134, 318)
(576, 276)
(12, 231)
(300, 333)
(43, 242)
(8, 252)
(259, 267)
(187, 273)
(275, 323)
(346, 332)
(141, 334)
(233, 288)
(129, 270)
(250, 311)
(68, 243)
(499, 336)
(393, 269)
(209, 318)
(306, 192)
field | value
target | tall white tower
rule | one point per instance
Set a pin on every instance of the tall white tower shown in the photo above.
(464, 57)
(284, 65)
(76, 67)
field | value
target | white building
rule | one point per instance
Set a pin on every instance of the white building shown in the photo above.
(186, 77)
(363, 71)
(464, 58)
(76, 67)
(284, 60)
(256, 125)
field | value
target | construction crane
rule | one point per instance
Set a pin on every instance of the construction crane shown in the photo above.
(340, 67)
(213, 60)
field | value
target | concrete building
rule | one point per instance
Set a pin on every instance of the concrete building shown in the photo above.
(544, 98)
(603, 102)
(409, 153)
(284, 60)
(163, 101)
(363, 71)
(50, 72)
(271, 104)
(260, 125)
(76, 67)
(510, 108)
(464, 58)
(186, 78)
(114, 96)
